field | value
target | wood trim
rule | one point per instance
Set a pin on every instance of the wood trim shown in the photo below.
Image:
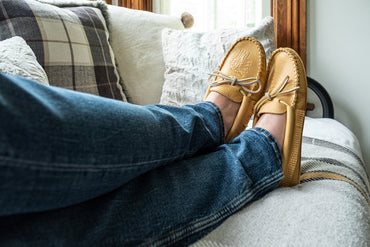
(146, 5)
(290, 25)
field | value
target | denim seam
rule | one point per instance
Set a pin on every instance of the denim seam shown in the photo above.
(226, 211)
(22, 162)
(271, 140)
(220, 118)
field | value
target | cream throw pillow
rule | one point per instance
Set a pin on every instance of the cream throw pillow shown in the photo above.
(136, 42)
(189, 56)
(17, 58)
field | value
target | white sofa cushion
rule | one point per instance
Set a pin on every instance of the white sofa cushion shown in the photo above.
(136, 42)
(189, 56)
(17, 58)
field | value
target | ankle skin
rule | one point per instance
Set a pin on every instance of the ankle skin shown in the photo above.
(228, 108)
(275, 124)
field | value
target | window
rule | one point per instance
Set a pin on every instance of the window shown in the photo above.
(216, 14)
(289, 16)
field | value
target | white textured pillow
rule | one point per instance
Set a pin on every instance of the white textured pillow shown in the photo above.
(17, 58)
(189, 56)
(136, 42)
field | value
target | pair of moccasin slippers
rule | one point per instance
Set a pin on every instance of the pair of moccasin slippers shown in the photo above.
(282, 88)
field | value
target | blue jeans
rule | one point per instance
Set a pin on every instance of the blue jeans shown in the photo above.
(82, 170)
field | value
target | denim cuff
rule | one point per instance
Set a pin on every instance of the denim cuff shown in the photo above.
(272, 141)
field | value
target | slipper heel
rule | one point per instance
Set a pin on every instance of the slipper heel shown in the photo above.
(292, 168)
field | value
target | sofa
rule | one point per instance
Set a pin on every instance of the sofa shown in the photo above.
(145, 58)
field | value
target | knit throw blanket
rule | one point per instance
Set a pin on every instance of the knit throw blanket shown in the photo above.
(329, 208)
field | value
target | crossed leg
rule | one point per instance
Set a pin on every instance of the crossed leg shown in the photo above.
(87, 169)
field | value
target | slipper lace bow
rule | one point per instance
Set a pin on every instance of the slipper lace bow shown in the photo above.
(233, 81)
(271, 95)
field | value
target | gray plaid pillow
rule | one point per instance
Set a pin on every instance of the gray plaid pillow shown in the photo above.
(71, 43)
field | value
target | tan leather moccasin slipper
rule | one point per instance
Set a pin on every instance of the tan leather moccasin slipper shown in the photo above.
(286, 92)
(241, 78)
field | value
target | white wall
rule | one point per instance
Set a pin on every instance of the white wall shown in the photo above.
(338, 56)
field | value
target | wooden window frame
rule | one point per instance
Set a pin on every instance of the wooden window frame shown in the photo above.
(146, 5)
(290, 25)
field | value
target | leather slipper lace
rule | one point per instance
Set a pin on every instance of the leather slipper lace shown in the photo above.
(233, 81)
(270, 96)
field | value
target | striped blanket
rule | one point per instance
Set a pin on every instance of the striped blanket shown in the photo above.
(323, 160)
(329, 208)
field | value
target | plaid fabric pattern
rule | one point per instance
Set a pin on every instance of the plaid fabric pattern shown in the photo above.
(71, 44)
